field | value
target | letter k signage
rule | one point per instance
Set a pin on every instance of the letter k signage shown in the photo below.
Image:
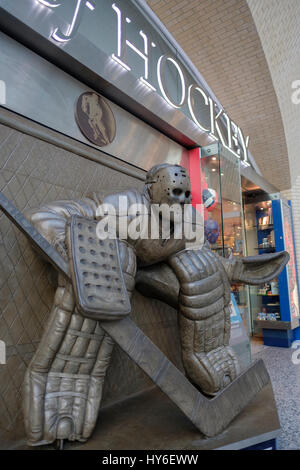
(75, 20)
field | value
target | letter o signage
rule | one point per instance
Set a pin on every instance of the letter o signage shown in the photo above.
(162, 81)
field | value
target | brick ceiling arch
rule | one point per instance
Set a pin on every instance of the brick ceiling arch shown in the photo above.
(221, 39)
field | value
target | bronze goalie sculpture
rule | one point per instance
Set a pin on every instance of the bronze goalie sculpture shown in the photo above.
(64, 382)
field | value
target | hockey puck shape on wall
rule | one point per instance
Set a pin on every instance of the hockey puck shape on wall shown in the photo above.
(95, 119)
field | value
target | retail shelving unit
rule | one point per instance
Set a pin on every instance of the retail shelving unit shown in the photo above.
(279, 318)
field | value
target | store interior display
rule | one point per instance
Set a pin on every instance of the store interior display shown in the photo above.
(268, 229)
(259, 228)
(268, 294)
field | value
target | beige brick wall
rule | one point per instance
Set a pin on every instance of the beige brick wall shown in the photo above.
(249, 53)
(221, 39)
(277, 23)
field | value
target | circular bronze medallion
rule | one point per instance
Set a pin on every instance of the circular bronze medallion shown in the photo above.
(95, 119)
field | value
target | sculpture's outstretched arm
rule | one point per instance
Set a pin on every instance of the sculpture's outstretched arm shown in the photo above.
(50, 219)
(255, 270)
(159, 280)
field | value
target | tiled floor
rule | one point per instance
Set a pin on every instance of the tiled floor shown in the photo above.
(285, 376)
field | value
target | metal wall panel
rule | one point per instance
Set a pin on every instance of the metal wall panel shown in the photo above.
(88, 57)
(37, 89)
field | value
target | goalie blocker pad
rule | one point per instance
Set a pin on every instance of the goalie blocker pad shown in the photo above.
(96, 272)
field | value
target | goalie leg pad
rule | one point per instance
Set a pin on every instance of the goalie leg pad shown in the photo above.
(204, 319)
(64, 382)
(62, 398)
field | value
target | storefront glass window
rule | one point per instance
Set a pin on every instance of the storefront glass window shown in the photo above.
(221, 197)
(223, 223)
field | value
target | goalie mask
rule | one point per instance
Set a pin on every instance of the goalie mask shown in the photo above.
(169, 184)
